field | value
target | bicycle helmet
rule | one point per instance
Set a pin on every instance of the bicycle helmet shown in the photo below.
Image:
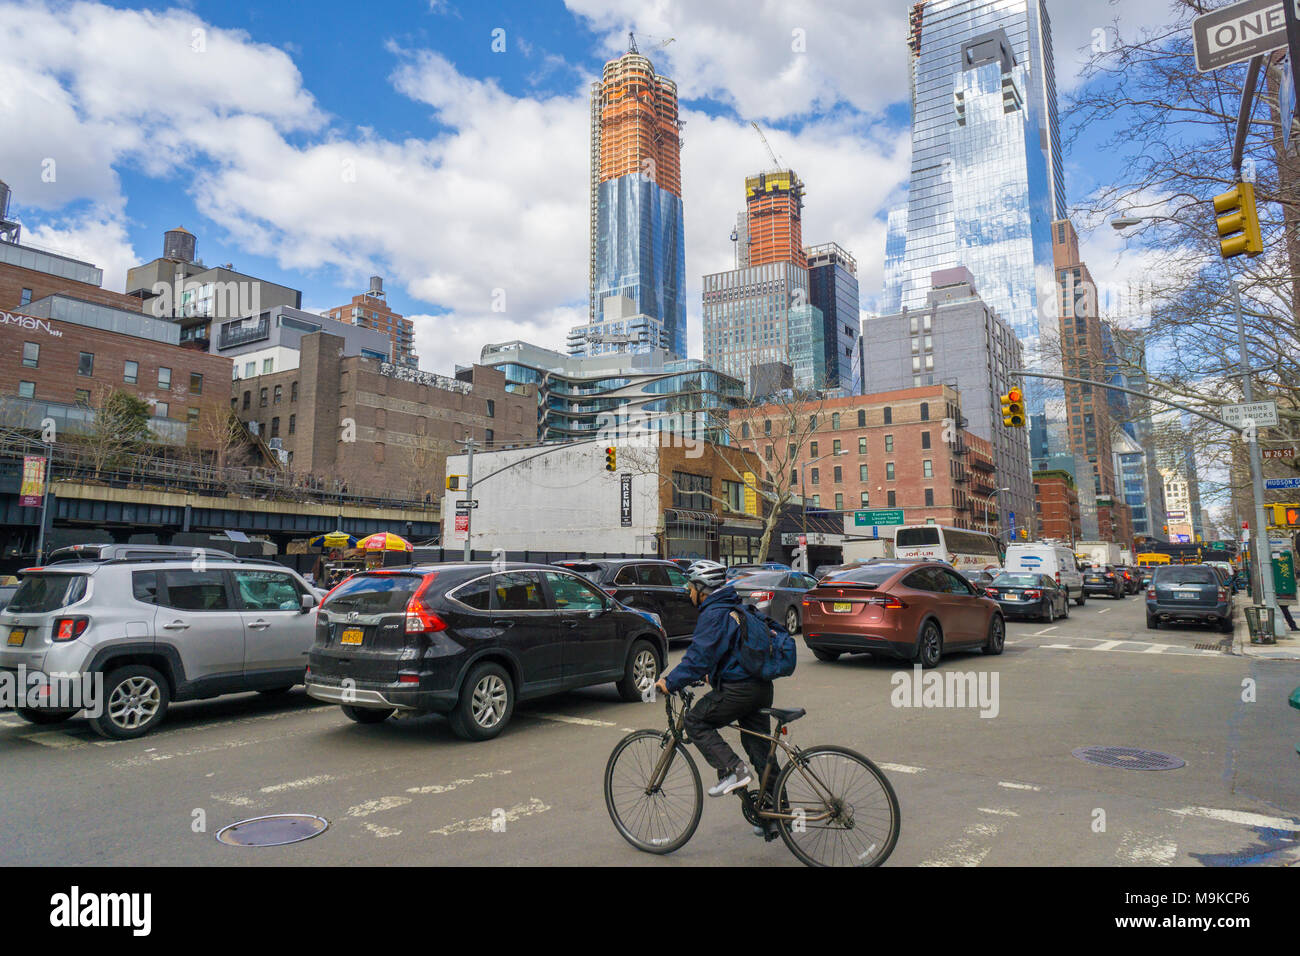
(709, 575)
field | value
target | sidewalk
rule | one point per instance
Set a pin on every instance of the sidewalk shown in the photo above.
(1286, 649)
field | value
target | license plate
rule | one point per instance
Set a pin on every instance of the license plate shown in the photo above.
(842, 607)
(1185, 595)
(16, 636)
(1094, 580)
(351, 635)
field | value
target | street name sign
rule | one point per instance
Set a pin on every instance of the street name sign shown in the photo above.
(1262, 414)
(463, 507)
(1275, 484)
(1279, 452)
(1236, 33)
(891, 516)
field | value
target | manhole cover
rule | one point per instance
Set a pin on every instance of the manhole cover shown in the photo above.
(274, 830)
(1129, 758)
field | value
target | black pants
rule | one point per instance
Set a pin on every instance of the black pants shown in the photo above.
(732, 702)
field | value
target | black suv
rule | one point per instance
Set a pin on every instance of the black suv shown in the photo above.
(1104, 579)
(646, 584)
(468, 640)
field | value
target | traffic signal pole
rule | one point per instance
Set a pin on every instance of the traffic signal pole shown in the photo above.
(469, 495)
(1263, 551)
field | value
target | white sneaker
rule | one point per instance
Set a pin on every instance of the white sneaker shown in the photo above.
(738, 778)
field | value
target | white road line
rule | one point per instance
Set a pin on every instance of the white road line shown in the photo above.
(1044, 631)
(1155, 649)
(1104, 610)
(971, 849)
(297, 784)
(565, 719)
(1011, 785)
(900, 768)
(1106, 645)
(455, 784)
(1148, 649)
(998, 812)
(381, 832)
(377, 806)
(1145, 850)
(503, 817)
(54, 738)
(1240, 817)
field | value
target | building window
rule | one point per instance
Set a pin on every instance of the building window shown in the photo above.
(275, 427)
(839, 475)
(26, 389)
(83, 397)
(835, 421)
(164, 378)
(293, 424)
(691, 491)
(261, 398)
(196, 383)
(490, 435)
(31, 355)
(889, 415)
(491, 408)
(929, 497)
(279, 394)
(816, 501)
(733, 492)
(927, 468)
(816, 475)
(767, 426)
(812, 450)
(193, 415)
(835, 446)
(268, 366)
(925, 439)
(862, 446)
(744, 429)
(866, 499)
(247, 396)
(767, 453)
(925, 410)
(293, 391)
(130, 372)
(250, 369)
(26, 297)
(889, 471)
(862, 418)
(890, 499)
(889, 443)
(862, 472)
(161, 409)
(839, 502)
(86, 363)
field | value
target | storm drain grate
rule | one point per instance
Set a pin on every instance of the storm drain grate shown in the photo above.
(1129, 758)
(1220, 646)
(274, 830)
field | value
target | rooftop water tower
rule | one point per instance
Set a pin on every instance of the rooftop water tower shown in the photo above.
(179, 244)
(9, 230)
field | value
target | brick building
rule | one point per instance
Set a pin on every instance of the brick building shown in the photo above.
(1056, 502)
(370, 310)
(379, 428)
(28, 274)
(64, 368)
(899, 449)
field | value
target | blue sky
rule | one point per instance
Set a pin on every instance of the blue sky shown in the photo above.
(313, 145)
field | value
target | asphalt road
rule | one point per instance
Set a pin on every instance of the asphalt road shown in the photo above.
(974, 790)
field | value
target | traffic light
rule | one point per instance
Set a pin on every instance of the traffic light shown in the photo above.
(1286, 516)
(1013, 409)
(1238, 222)
(453, 482)
(611, 459)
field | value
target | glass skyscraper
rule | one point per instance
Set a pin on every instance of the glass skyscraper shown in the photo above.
(833, 288)
(986, 181)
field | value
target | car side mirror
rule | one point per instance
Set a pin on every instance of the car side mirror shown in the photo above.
(308, 602)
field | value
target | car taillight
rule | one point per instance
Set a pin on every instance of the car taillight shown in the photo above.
(991, 592)
(1058, 577)
(1223, 594)
(419, 619)
(887, 601)
(806, 603)
(1151, 593)
(761, 595)
(1109, 575)
(70, 628)
(1033, 595)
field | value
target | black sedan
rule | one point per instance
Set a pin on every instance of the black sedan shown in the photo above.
(1033, 596)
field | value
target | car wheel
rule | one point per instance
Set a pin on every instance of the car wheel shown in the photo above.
(1153, 623)
(487, 699)
(1225, 626)
(42, 715)
(997, 638)
(792, 620)
(929, 646)
(1050, 616)
(1083, 596)
(640, 672)
(135, 701)
(1065, 607)
(367, 715)
(827, 656)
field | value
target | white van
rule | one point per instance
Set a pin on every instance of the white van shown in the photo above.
(1056, 560)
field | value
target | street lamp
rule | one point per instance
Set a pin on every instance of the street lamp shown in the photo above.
(1262, 550)
(988, 503)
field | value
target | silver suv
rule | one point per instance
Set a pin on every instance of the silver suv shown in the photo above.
(152, 630)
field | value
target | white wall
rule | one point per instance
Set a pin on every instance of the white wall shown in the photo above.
(556, 498)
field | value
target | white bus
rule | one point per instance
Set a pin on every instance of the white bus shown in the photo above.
(964, 549)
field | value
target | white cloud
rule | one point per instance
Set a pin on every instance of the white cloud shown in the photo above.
(97, 236)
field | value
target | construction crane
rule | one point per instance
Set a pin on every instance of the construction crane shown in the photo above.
(663, 41)
(776, 161)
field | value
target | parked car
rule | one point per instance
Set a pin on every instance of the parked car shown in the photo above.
(776, 594)
(683, 563)
(1188, 592)
(1132, 579)
(738, 570)
(1104, 579)
(1029, 595)
(469, 641)
(160, 631)
(1226, 573)
(644, 584)
(1055, 560)
(134, 552)
(915, 610)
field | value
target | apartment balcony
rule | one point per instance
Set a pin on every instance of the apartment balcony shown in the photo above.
(982, 464)
(959, 447)
(961, 478)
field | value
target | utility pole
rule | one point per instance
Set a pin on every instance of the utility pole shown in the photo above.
(45, 502)
(1263, 550)
(469, 494)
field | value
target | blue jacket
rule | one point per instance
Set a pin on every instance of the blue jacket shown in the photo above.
(710, 651)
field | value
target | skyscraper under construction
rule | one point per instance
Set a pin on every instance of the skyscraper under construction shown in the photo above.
(638, 254)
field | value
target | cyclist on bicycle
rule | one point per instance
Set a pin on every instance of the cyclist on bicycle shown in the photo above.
(736, 696)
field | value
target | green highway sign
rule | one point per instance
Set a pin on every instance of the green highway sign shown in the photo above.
(890, 516)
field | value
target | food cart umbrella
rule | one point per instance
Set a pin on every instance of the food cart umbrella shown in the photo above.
(333, 539)
(385, 541)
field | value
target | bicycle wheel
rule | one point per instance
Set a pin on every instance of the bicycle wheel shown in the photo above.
(661, 820)
(864, 820)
